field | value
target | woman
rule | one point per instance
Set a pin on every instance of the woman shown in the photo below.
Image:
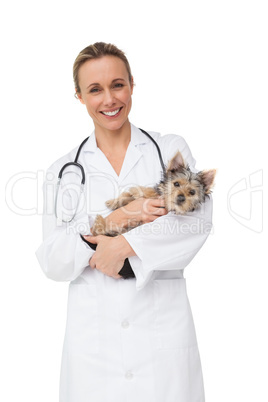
(126, 340)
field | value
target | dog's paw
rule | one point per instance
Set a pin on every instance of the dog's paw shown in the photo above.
(112, 204)
(124, 199)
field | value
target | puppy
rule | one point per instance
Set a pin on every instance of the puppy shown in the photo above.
(182, 190)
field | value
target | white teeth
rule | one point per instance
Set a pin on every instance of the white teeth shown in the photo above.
(111, 113)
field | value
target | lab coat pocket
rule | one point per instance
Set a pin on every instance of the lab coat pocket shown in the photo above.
(82, 330)
(174, 327)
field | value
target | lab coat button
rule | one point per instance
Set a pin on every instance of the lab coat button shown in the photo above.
(125, 324)
(129, 375)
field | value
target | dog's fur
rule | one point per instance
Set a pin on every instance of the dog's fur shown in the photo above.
(182, 190)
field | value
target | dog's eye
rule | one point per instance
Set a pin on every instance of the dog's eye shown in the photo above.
(192, 192)
(176, 184)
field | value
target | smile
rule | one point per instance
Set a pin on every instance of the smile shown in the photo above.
(112, 113)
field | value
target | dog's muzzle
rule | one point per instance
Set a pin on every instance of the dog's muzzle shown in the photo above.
(180, 199)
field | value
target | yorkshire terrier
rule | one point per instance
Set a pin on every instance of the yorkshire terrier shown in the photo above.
(182, 190)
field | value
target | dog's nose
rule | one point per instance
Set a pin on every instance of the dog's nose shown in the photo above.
(181, 198)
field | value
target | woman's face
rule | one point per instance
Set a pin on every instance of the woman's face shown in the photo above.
(106, 91)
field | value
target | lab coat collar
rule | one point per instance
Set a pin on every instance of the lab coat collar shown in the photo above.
(137, 138)
(98, 160)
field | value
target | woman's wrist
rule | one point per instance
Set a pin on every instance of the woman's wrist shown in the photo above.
(123, 247)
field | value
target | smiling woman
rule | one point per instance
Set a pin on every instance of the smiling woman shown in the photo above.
(126, 340)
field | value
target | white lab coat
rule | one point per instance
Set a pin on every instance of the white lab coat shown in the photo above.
(127, 340)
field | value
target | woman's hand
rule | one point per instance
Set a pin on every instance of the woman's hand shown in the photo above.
(110, 254)
(137, 212)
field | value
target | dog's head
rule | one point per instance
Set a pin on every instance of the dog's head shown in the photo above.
(182, 189)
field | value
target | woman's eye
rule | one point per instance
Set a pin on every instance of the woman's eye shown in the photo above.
(176, 184)
(94, 90)
(192, 192)
(118, 85)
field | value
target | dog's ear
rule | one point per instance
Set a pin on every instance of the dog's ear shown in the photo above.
(207, 179)
(176, 163)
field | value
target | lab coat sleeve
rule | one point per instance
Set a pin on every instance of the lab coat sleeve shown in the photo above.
(171, 241)
(63, 255)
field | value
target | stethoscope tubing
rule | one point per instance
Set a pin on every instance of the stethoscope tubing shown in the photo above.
(75, 163)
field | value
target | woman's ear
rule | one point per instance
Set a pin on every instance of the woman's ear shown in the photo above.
(132, 84)
(79, 96)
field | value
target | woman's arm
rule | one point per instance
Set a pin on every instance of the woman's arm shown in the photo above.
(169, 243)
(137, 212)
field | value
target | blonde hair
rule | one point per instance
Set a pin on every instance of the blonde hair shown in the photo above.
(96, 51)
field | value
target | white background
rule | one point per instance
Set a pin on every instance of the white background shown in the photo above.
(200, 69)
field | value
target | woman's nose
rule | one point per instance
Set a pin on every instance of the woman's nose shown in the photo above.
(108, 98)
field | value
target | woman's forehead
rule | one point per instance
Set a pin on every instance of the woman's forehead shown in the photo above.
(106, 68)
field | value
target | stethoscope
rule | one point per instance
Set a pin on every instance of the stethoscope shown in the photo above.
(76, 164)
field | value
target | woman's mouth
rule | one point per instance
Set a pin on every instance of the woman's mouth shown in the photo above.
(112, 113)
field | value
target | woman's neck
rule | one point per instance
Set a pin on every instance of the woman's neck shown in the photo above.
(113, 139)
